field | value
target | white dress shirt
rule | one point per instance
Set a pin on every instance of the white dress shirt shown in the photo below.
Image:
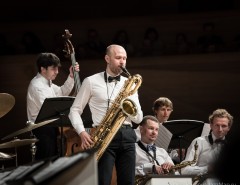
(39, 89)
(206, 154)
(96, 91)
(144, 162)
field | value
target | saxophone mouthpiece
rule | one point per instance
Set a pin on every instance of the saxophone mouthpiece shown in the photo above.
(125, 70)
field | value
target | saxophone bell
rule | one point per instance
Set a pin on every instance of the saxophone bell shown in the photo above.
(129, 107)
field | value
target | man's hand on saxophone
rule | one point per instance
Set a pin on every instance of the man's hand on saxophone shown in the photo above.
(86, 140)
(167, 167)
(163, 168)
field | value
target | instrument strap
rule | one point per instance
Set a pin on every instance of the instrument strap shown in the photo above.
(145, 149)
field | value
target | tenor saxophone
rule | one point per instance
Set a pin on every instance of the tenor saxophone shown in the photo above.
(121, 108)
(142, 179)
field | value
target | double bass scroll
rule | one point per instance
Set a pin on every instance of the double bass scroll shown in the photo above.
(69, 50)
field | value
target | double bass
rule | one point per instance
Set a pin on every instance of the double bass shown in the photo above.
(72, 139)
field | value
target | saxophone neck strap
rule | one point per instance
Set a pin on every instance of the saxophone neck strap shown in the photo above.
(145, 149)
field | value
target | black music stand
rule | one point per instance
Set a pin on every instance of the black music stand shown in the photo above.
(184, 131)
(56, 107)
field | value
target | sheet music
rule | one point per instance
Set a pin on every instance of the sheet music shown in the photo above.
(164, 137)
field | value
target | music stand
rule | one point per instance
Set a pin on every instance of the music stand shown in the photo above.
(184, 131)
(56, 107)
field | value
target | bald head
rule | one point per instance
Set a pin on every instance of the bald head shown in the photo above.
(112, 48)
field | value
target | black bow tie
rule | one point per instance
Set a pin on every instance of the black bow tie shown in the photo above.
(116, 78)
(151, 147)
(220, 141)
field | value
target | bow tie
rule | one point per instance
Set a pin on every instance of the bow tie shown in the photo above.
(220, 141)
(151, 147)
(116, 78)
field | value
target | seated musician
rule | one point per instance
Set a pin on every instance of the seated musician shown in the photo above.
(151, 159)
(162, 109)
(209, 147)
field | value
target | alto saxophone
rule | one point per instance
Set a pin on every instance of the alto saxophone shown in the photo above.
(142, 179)
(121, 108)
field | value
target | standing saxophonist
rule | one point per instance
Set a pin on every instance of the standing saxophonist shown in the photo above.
(100, 91)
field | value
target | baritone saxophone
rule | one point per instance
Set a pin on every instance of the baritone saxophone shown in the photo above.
(121, 108)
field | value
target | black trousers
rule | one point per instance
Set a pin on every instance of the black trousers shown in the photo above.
(121, 152)
(47, 146)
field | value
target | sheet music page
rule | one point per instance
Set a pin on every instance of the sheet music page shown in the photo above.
(164, 137)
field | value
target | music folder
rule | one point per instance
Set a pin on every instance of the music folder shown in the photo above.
(80, 168)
